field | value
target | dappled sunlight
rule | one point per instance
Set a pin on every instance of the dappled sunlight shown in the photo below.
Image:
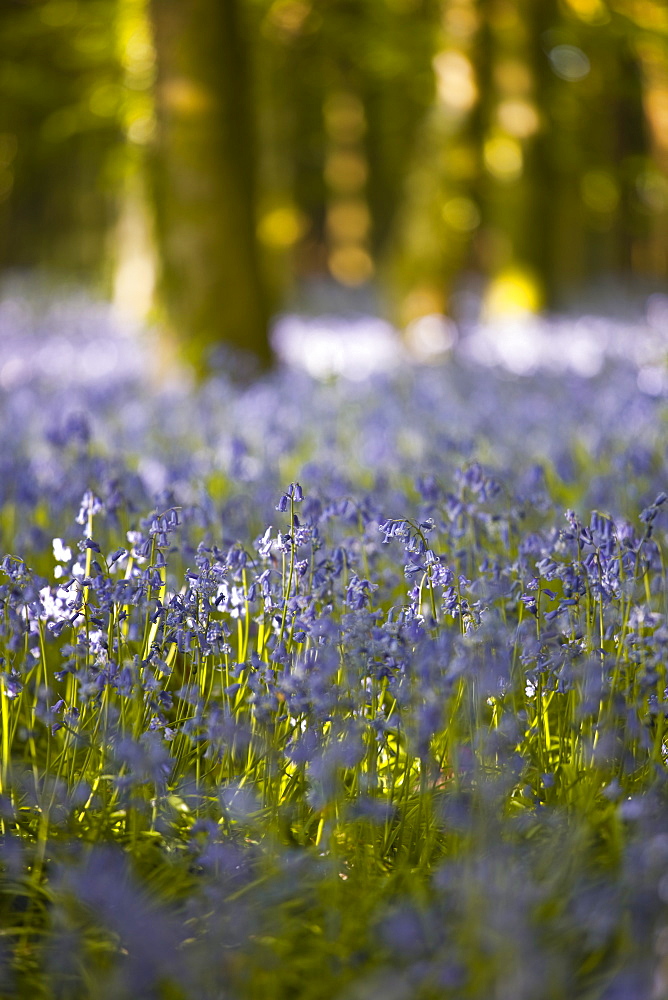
(430, 337)
(330, 345)
(80, 342)
(569, 62)
(281, 227)
(72, 342)
(503, 158)
(512, 292)
(529, 344)
(457, 88)
(516, 340)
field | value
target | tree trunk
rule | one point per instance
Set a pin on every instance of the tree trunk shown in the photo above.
(211, 286)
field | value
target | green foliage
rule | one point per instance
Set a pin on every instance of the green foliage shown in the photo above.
(61, 137)
(404, 145)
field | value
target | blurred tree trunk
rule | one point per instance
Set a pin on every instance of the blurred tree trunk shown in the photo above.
(397, 97)
(211, 285)
(589, 155)
(559, 158)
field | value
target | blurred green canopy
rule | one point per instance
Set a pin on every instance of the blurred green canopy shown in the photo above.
(211, 163)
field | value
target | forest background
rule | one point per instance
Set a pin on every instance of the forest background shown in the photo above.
(209, 164)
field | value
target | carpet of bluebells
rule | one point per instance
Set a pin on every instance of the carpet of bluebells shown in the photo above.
(332, 689)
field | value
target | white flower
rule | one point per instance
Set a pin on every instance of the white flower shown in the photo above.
(61, 553)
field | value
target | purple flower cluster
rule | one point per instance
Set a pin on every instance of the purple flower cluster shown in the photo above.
(383, 659)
